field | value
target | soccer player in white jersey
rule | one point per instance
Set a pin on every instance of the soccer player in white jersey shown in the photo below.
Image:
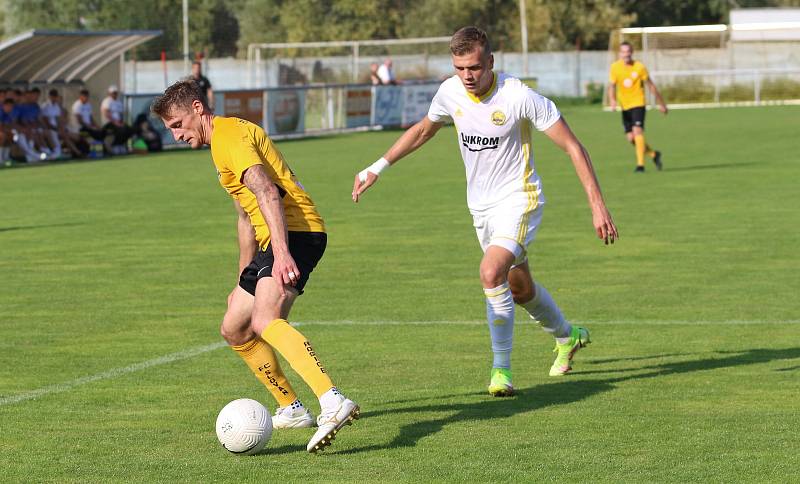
(493, 114)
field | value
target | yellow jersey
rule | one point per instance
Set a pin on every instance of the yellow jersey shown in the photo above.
(236, 145)
(629, 80)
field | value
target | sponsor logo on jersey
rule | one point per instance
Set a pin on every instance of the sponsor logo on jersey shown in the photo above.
(479, 143)
(498, 118)
(459, 113)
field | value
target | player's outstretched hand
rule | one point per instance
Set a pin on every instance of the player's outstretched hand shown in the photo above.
(604, 226)
(364, 180)
(663, 108)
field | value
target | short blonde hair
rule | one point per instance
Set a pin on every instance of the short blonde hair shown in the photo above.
(468, 39)
(179, 95)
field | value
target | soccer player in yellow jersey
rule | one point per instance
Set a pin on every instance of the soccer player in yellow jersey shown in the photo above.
(626, 82)
(281, 239)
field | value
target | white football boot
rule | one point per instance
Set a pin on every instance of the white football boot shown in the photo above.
(290, 417)
(331, 419)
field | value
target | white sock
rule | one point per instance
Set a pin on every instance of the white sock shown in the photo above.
(331, 398)
(500, 316)
(296, 407)
(545, 311)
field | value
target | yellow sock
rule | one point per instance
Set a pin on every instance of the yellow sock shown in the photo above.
(262, 360)
(298, 352)
(640, 143)
(649, 151)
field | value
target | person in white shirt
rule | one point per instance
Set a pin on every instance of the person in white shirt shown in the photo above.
(386, 73)
(493, 114)
(53, 116)
(112, 114)
(82, 121)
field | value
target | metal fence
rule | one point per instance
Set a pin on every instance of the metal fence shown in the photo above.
(299, 111)
(697, 88)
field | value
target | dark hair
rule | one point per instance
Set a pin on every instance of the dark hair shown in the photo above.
(628, 44)
(8, 100)
(179, 95)
(468, 39)
(197, 63)
(84, 92)
(53, 92)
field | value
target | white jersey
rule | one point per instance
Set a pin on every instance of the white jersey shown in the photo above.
(52, 113)
(111, 110)
(495, 138)
(83, 111)
(386, 74)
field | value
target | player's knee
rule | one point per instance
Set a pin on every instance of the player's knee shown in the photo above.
(236, 336)
(492, 276)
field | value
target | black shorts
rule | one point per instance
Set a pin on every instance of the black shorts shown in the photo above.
(306, 249)
(633, 117)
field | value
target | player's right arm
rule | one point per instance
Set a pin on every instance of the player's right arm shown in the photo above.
(413, 138)
(612, 90)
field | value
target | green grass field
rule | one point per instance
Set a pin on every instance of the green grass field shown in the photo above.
(113, 277)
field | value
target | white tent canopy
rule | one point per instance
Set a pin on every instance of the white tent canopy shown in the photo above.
(55, 57)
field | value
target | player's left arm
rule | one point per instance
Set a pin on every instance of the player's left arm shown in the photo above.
(662, 106)
(269, 201)
(563, 136)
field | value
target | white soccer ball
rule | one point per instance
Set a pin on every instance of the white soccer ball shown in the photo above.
(244, 427)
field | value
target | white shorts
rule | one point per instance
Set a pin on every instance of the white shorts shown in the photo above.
(511, 225)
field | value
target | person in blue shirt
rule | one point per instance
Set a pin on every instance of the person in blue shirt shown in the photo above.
(14, 133)
(30, 120)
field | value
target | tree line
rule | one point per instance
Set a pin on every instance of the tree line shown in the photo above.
(224, 28)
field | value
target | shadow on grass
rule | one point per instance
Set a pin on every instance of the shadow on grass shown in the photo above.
(35, 227)
(715, 166)
(557, 393)
(284, 449)
(599, 361)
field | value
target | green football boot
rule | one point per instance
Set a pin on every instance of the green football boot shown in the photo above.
(578, 338)
(500, 383)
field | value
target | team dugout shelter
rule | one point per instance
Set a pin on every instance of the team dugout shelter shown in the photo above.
(69, 61)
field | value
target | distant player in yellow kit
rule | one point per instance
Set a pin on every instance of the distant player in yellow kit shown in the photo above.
(281, 239)
(626, 79)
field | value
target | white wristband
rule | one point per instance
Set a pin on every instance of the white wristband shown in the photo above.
(375, 168)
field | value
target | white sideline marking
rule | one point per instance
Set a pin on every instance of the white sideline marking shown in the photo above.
(63, 387)
(525, 321)
(199, 350)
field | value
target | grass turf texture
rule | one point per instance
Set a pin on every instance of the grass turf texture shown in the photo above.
(692, 376)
